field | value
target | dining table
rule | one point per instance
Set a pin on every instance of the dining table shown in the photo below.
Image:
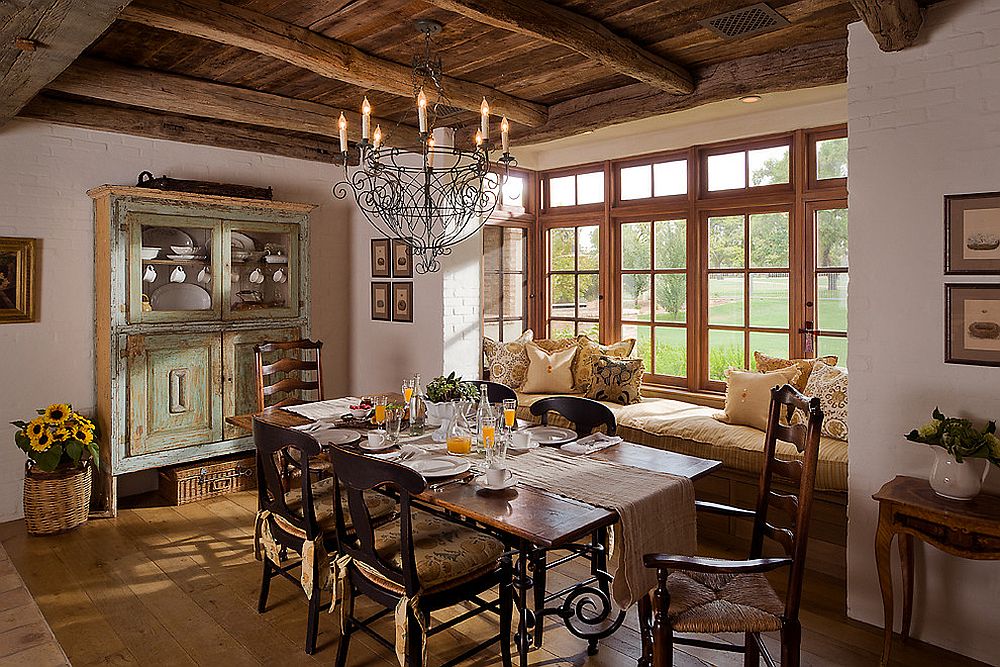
(532, 521)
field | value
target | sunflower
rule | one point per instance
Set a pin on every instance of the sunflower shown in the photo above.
(57, 413)
(62, 434)
(80, 421)
(35, 428)
(85, 436)
(42, 442)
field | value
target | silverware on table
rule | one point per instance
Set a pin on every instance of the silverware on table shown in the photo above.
(463, 479)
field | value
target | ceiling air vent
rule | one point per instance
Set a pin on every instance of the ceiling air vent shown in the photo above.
(745, 22)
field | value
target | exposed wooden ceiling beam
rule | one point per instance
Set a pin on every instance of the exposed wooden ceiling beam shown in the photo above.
(894, 23)
(40, 38)
(173, 93)
(804, 66)
(253, 31)
(582, 34)
(159, 125)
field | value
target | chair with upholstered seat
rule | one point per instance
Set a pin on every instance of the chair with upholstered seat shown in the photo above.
(584, 414)
(708, 595)
(424, 559)
(496, 392)
(305, 514)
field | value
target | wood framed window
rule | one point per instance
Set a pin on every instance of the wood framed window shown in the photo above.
(663, 179)
(573, 280)
(758, 167)
(504, 281)
(578, 189)
(826, 158)
(827, 279)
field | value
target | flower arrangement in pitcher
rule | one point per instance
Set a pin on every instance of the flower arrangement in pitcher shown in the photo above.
(58, 438)
(959, 437)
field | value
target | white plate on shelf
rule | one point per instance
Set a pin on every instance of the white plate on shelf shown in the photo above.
(438, 466)
(164, 237)
(181, 296)
(149, 253)
(551, 435)
(184, 258)
(242, 242)
(276, 259)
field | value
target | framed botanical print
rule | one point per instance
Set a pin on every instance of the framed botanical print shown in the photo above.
(972, 233)
(402, 259)
(381, 305)
(402, 302)
(972, 324)
(18, 280)
(380, 258)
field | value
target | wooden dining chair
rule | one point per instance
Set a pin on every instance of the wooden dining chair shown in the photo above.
(291, 369)
(709, 595)
(298, 516)
(585, 414)
(432, 562)
(496, 392)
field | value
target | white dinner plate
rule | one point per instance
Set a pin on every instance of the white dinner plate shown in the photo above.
(438, 466)
(242, 242)
(180, 296)
(551, 435)
(164, 237)
(183, 258)
(336, 436)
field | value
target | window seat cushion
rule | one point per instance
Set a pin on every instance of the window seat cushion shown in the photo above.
(691, 429)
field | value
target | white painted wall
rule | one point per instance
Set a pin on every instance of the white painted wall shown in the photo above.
(45, 171)
(924, 122)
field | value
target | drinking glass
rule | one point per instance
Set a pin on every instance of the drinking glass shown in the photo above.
(488, 436)
(407, 391)
(509, 412)
(393, 422)
(380, 409)
(496, 455)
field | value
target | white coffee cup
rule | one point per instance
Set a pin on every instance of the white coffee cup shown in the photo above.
(149, 275)
(376, 439)
(204, 276)
(497, 477)
(522, 440)
(256, 277)
(279, 276)
(178, 275)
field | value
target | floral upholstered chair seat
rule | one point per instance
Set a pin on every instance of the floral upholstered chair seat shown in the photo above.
(380, 506)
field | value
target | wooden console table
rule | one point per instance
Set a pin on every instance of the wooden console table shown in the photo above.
(910, 508)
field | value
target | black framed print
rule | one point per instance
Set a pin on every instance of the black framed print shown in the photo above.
(972, 233)
(381, 306)
(972, 324)
(380, 258)
(402, 302)
(402, 259)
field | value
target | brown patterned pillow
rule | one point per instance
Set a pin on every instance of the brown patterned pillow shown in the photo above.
(617, 380)
(590, 352)
(766, 364)
(829, 385)
(508, 362)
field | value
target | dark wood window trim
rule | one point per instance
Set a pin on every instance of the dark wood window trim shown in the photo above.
(652, 159)
(746, 146)
(812, 138)
(810, 331)
(547, 209)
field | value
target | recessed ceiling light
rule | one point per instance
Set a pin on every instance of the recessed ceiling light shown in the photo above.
(750, 99)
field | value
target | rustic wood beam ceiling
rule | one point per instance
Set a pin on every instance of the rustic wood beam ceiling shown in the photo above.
(40, 38)
(582, 34)
(894, 23)
(805, 66)
(159, 125)
(193, 97)
(253, 31)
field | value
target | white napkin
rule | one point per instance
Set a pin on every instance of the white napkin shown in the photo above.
(336, 408)
(594, 442)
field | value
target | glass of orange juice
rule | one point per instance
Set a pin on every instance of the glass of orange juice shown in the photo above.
(509, 412)
(380, 407)
(459, 436)
(407, 391)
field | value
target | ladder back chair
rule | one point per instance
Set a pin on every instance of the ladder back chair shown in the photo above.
(495, 391)
(292, 367)
(291, 518)
(709, 595)
(431, 562)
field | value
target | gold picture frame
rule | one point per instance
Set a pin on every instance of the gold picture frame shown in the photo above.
(18, 279)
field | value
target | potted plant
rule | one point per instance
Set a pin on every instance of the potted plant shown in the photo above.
(61, 444)
(962, 454)
(444, 395)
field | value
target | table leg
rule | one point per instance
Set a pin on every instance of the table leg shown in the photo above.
(905, 545)
(645, 630)
(523, 585)
(883, 561)
(599, 563)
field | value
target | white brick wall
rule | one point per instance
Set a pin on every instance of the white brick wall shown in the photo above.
(45, 171)
(924, 122)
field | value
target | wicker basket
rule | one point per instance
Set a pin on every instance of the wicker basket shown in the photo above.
(55, 502)
(207, 479)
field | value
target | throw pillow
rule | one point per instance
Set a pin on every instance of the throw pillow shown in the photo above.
(590, 352)
(829, 385)
(616, 380)
(767, 364)
(549, 373)
(508, 362)
(748, 395)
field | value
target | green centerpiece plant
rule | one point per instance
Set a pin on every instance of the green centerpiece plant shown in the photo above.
(961, 451)
(450, 388)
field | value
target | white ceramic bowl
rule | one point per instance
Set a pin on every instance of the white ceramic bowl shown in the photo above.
(149, 252)
(360, 413)
(183, 249)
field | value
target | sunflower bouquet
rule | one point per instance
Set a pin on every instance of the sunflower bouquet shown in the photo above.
(58, 438)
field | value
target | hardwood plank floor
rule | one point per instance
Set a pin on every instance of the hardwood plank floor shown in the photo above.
(178, 585)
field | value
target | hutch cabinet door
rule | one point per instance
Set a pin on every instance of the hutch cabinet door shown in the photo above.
(174, 392)
(240, 391)
(173, 268)
(263, 265)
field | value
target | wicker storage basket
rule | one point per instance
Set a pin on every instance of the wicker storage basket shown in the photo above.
(190, 482)
(55, 502)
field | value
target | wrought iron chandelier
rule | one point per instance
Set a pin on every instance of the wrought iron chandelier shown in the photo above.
(432, 197)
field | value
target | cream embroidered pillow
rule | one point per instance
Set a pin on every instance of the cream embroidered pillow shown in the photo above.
(766, 364)
(617, 380)
(748, 395)
(549, 373)
(829, 385)
(508, 362)
(590, 352)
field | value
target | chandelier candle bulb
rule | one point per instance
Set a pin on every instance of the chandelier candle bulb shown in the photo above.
(377, 137)
(430, 152)
(505, 135)
(484, 109)
(366, 119)
(479, 138)
(422, 110)
(343, 132)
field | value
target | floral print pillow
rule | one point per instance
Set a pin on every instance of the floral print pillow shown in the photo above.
(617, 380)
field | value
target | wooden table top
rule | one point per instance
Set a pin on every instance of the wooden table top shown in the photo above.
(539, 517)
(917, 493)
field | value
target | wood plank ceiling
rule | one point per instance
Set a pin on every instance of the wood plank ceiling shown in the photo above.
(289, 67)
